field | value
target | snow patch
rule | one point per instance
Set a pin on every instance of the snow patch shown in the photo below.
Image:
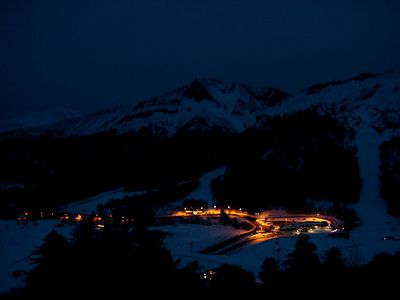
(90, 205)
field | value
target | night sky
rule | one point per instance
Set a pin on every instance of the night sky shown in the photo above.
(87, 55)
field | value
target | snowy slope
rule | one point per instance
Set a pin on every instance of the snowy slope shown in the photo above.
(89, 205)
(204, 104)
(202, 192)
(363, 102)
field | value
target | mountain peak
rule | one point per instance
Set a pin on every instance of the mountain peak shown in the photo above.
(197, 91)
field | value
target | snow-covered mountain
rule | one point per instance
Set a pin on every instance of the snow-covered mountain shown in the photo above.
(38, 118)
(200, 105)
(364, 102)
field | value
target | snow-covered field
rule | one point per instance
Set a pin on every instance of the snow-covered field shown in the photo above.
(249, 257)
(186, 240)
(16, 244)
(192, 238)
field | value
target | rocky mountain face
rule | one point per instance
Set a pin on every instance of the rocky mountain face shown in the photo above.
(201, 105)
(367, 101)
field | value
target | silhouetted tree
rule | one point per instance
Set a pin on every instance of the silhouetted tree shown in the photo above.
(52, 261)
(270, 273)
(333, 263)
(232, 280)
(390, 174)
(347, 214)
(109, 260)
(304, 258)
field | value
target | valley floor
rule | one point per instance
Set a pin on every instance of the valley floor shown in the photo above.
(186, 240)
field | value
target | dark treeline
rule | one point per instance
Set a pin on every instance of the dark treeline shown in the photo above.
(305, 274)
(115, 261)
(280, 163)
(390, 174)
(142, 207)
(59, 170)
(131, 262)
(302, 155)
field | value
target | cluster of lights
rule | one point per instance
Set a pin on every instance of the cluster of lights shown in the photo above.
(202, 209)
(97, 218)
(65, 217)
(209, 275)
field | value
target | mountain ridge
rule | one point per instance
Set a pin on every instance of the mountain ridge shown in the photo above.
(230, 107)
(367, 100)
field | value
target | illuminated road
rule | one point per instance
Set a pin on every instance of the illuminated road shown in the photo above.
(264, 226)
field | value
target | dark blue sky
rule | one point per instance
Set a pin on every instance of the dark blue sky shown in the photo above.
(87, 55)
